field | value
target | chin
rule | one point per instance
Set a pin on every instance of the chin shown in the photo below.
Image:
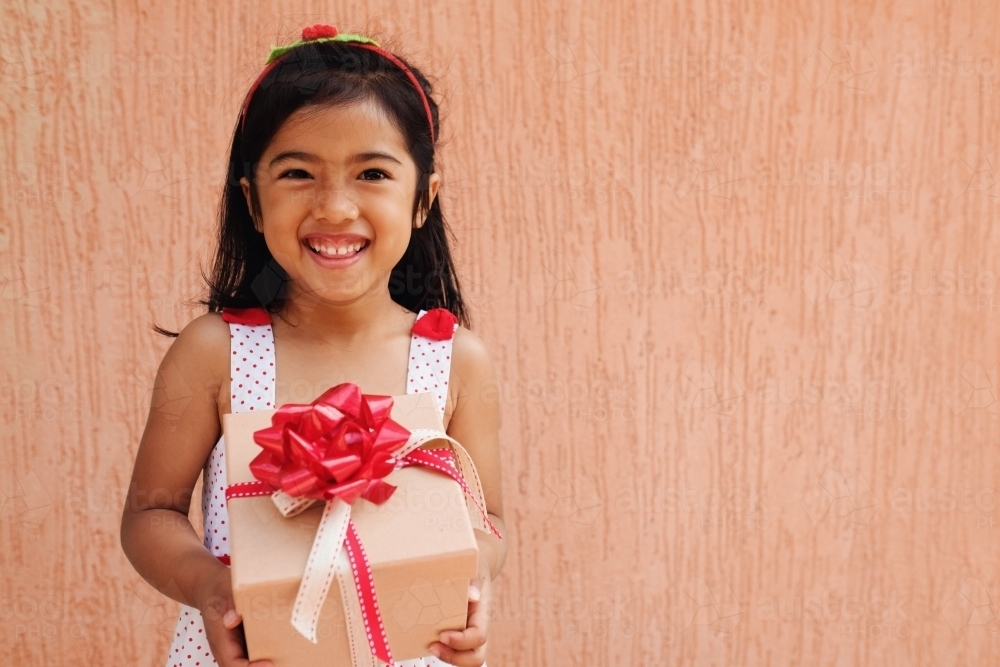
(332, 296)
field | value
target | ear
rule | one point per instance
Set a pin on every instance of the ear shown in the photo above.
(245, 185)
(433, 183)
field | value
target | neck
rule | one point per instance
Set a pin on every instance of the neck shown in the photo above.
(363, 319)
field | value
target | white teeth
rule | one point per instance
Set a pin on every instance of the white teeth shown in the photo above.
(336, 251)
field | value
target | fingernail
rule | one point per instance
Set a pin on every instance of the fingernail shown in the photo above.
(474, 592)
(230, 617)
(435, 651)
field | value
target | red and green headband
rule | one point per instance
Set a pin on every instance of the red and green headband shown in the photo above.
(316, 34)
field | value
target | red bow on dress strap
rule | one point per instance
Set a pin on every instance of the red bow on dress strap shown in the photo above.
(436, 324)
(246, 316)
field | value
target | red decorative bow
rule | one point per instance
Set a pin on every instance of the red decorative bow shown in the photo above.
(436, 324)
(339, 446)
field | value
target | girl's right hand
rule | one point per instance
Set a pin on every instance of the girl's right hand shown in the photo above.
(223, 626)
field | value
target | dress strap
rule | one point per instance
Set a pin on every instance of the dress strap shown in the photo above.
(251, 367)
(429, 366)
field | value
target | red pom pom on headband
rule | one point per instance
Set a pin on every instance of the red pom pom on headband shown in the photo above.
(319, 33)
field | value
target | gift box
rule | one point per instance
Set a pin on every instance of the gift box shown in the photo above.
(419, 542)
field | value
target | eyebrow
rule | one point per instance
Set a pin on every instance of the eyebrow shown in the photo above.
(309, 157)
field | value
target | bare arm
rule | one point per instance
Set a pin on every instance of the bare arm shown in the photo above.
(475, 423)
(181, 429)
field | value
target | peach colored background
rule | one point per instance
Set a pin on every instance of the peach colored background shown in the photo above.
(737, 263)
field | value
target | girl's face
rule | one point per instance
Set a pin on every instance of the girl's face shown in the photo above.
(336, 188)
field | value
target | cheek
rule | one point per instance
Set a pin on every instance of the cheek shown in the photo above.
(391, 217)
(288, 254)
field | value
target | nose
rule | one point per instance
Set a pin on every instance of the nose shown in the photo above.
(335, 203)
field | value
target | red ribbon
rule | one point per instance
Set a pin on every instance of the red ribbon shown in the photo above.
(438, 459)
(341, 446)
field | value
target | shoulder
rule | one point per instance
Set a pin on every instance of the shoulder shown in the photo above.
(469, 349)
(206, 331)
(472, 364)
(202, 346)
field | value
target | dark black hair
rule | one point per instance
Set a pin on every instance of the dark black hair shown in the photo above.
(244, 273)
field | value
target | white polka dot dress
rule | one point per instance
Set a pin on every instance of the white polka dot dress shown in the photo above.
(252, 375)
(430, 366)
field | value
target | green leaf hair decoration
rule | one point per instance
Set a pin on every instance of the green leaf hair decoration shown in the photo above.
(278, 51)
(319, 33)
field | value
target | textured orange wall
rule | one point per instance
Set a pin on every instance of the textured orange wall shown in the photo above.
(737, 263)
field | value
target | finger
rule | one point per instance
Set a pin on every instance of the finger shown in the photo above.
(228, 652)
(459, 658)
(228, 647)
(231, 619)
(221, 607)
(474, 634)
(476, 590)
(469, 639)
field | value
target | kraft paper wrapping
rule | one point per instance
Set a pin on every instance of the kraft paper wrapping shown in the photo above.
(420, 543)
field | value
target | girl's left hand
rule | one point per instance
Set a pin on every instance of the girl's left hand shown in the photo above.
(467, 648)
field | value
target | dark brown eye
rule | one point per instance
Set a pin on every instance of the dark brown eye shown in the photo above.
(295, 174)
(377, 173)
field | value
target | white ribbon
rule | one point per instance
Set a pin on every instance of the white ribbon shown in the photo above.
(328, 557)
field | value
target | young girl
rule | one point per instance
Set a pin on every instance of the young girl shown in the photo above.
(333, 266)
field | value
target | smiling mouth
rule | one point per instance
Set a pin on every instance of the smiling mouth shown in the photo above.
(337, 251)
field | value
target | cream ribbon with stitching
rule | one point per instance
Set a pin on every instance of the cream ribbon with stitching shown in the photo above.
(328, 557)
